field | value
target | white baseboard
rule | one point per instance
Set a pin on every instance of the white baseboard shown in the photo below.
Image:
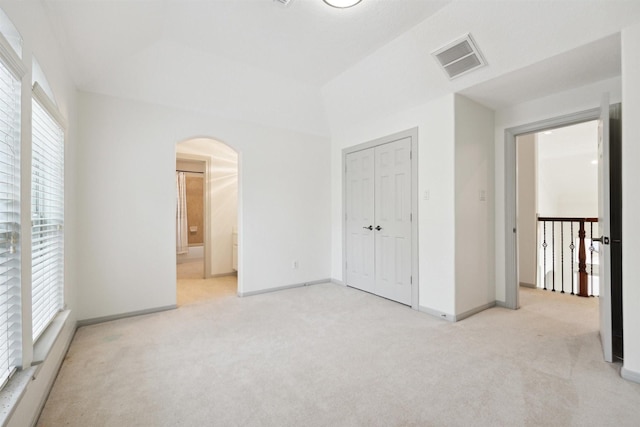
(231, 273)
(456, 317)
(282, 288)
(630, 375)
(93, 321)
(528, 285)
(437, 313)
(473, 311)
(338, 282)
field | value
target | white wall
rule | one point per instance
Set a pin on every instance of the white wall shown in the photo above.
(474, 250)
(527, 200)
(403, 75)
(563, 103)
(567, 178)
(435, 179)
(284, 203)
(223, 193)
(631, 202)
(31, 21)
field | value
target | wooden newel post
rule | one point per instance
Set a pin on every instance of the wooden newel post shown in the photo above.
(582, 263)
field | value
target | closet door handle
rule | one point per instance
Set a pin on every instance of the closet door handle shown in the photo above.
(369, 227)
(378, 228)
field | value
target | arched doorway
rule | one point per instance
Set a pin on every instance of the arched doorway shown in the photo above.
(206, 220)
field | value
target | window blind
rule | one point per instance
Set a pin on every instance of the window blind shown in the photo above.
(47, 217)
(10, 322)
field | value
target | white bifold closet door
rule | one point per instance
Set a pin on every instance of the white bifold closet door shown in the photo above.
(378, 218)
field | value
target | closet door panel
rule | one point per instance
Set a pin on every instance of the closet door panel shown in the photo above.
(393, 220)
(360, 220)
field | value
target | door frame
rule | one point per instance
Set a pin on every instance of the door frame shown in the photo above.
(206, 199)
(413, 135)
(512, 296)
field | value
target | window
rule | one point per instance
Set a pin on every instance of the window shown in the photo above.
(10, 325)
(47, 213)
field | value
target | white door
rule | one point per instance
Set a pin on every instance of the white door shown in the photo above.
(603, 225)
(378, 220)
(360, 219)
(393, 220)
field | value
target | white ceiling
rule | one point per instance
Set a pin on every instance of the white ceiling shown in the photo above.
(306, 41)
(312, 68)
(578, 67)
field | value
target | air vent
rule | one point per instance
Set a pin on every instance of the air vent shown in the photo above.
(283, 2)
(459, 57)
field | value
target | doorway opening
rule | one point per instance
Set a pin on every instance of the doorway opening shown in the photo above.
(557, 198)
(206, 220)
(557, 226)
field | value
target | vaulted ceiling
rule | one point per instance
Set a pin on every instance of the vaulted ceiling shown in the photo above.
(306, 41)
(309, 67)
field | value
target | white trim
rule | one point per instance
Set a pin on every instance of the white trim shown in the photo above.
(473, 311)
(283, 288)
(413, 135)
(49, 105)
(43, 345)
(528, 285)
(231, 273)
(510, 192)
(95, 320)
(436, 313)
(11, 59)
(457, 317)
(630, 375)
(338, 282)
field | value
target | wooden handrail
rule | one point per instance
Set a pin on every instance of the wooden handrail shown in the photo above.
(566, 219)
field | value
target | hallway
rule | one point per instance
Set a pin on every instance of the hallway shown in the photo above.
(191, 288)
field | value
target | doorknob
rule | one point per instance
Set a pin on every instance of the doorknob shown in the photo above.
(369, 227)
(602, 239)
(378, 228)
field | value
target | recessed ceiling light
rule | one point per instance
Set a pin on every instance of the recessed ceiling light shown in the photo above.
(548, 132)
(342, 4)
(594, 162)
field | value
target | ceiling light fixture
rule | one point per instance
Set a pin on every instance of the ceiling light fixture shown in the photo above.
(342, 4)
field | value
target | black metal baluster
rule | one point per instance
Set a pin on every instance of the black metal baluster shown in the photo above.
(591, 249)
(544, 254)
(572, 247)
(553, 256)
(562, 256)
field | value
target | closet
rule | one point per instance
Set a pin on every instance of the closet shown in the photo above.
(378, 220)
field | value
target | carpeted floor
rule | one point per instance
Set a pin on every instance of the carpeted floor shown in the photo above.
(327, 355)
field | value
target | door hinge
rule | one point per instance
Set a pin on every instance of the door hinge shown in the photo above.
(411, 280)
(410, 217)
(410, 155)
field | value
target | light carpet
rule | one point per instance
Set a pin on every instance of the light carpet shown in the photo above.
(327, 355)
